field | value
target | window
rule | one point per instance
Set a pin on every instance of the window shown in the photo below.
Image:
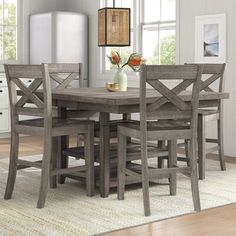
(8, 30)
(158, 31)
(153, 31)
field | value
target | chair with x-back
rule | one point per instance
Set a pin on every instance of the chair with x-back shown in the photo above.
(170, 118)
(66, 76)
(36, 101)
(212, 81)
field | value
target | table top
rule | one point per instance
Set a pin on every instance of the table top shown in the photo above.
(129, 97)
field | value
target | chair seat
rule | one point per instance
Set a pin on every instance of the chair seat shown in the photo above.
(207, 112)
(113, 124)
(158, 130)
(59, 126)
(80, 114)
(158, 125)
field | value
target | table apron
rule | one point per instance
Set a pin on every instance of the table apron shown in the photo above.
(119, 109)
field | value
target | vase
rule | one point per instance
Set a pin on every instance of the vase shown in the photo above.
(121, 78)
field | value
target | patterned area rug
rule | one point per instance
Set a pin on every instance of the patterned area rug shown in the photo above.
(69, 212)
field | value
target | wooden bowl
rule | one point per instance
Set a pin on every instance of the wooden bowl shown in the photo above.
(112, 87)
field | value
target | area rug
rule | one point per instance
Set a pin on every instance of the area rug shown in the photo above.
(69, 211)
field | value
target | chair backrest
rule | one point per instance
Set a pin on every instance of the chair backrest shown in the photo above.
(183, 76)
(24, 100)
(211, 74)
(64, 74)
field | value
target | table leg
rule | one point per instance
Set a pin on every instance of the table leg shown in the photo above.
(172, 162)
(63, 143)
(104, 154)
(126, 116)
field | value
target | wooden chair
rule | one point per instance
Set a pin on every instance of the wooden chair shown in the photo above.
(69, 75)
(174, 119)
(65, 75)
(211, 74)
(29, 101)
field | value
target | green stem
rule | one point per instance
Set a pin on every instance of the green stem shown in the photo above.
(124, 65)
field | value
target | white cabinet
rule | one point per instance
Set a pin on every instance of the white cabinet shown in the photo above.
(4, 121)
(4, 105)
(58, 37)
(4, 97)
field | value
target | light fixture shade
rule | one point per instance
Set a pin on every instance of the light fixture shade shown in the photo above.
(114, 27)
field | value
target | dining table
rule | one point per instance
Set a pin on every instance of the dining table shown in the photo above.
(106, 103)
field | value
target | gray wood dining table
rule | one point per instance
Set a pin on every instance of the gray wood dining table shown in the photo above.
(104, 102)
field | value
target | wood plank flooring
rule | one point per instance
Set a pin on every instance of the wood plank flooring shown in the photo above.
(29, 145)
(213, 222)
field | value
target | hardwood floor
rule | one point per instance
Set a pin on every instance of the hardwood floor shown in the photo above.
(213, 222)
(29, 145)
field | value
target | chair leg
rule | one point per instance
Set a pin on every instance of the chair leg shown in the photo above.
(201, 147)
(145, 178)
(12, 165)
(45, 171)
(122, 146)
(221, 142)
(80, 140)
(172, 161)
(194, 176)
(55, 150)
(186, 144)
(89, 160)
(160, 160)
(63, 160)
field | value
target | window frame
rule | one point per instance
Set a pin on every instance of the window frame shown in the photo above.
(159, 24)
(138, 24)
(19, 35)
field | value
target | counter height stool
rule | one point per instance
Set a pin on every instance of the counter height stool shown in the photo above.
(211, 75)
(66, 75)
(212, 81)
(167, 118)
(32, 102)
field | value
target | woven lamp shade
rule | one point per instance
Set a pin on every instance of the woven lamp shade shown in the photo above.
(114, 27)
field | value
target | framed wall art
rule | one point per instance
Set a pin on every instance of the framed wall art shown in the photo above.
(210, 39)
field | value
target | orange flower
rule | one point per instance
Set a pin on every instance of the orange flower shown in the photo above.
(134, 61)
(114, 58)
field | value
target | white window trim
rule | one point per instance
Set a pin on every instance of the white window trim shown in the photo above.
(19, 38)
(138, 23)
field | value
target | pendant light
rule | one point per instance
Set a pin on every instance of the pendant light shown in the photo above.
(113, 26)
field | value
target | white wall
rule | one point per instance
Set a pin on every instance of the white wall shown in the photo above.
(89, 7)
(187, 12)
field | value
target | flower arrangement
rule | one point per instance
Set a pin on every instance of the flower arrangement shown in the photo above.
(134, 61)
